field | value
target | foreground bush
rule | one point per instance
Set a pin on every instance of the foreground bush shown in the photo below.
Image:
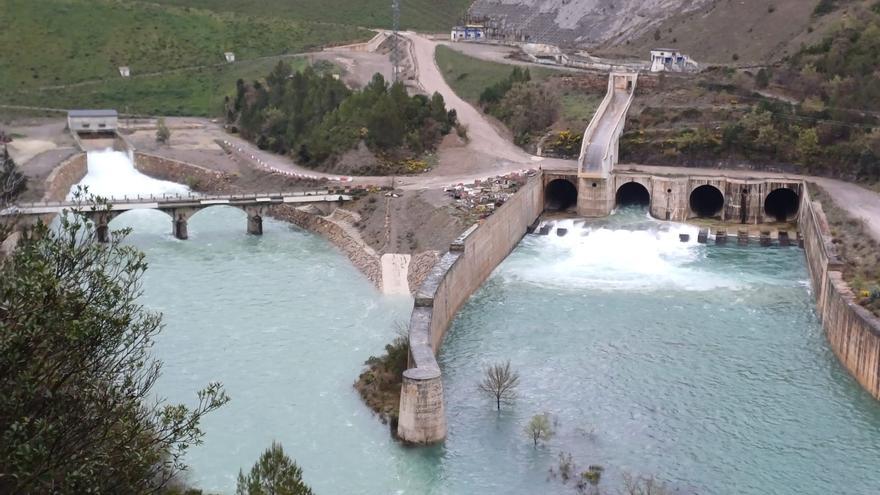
(273, 474)
(77, 408)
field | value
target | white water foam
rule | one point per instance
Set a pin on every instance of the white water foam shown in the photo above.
(622, 253)
(111, 174)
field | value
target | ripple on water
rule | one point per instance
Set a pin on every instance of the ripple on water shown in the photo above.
(705, 366)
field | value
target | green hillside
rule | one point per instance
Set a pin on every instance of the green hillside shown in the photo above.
(198, 92)
(423, 15)
(52, 43)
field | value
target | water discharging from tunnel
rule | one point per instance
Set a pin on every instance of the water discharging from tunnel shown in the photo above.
(111, 174)
(702, 365)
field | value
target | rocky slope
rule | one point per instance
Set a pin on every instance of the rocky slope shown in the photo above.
(710, 30)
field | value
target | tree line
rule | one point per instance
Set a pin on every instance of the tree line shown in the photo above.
(526, 107)
(315, 118)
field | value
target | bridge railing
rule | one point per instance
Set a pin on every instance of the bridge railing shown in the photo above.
(607, 164)
(594, 122)
(178, 198)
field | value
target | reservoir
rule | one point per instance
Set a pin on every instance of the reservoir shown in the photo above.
(703, 366)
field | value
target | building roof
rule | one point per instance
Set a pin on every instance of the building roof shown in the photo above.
(92, 113)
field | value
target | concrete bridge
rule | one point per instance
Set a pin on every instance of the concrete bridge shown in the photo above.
(179, 207)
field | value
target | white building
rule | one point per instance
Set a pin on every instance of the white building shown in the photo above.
(124, 71)
(92, 121)
(230, 56)
(471, 32)
(669, 60)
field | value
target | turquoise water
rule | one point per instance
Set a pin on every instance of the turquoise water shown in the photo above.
(285, 322)
(702, 366)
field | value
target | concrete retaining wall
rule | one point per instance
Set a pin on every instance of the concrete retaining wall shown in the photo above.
(65, 176)
(194, 176)
(853, 332)
(458, 274)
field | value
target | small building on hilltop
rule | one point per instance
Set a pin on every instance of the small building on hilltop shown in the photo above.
(92, 121)
(230, 57)
(670, 60)
(470, 32)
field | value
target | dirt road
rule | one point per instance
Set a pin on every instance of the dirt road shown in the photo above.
(484, 138)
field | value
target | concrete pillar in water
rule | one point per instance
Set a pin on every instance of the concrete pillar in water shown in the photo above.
(720, 237)
(102, 226)
(595, 197)
(102, 232)
(422, 416)
(180, 228)
(179, 219)
(255, 224)
(703, 236)
(784, 240)
(742, 237)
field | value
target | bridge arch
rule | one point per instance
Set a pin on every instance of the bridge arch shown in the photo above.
(560, 195)
(782, 204)
(706, 201)
(633, 194)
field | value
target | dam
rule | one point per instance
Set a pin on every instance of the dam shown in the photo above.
(704, 366)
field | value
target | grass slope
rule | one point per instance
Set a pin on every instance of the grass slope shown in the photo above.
(61, 42)
(198, 92)
(424, 15)
(469, 76)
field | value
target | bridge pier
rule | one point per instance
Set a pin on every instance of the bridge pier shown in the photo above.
(254, 220)
(179, 228)
(179, 222)
(255, 225)
(101, 219)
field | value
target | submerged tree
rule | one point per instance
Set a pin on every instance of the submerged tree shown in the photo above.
(273, 474)
(77, 409)
(539, 428)
(500, 382)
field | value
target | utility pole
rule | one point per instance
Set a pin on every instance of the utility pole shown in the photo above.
(395, 42)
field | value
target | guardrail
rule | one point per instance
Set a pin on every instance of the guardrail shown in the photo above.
(594, 122)
(618, 127)
(121, 203)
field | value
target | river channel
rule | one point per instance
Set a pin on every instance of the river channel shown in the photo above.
(703, 366)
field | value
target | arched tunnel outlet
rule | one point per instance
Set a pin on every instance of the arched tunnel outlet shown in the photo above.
(560, 195)
(633, 194)
(706, 201)
(782, 204)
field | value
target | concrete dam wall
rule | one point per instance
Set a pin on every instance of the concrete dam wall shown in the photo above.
(458, 274)
(852, 331)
